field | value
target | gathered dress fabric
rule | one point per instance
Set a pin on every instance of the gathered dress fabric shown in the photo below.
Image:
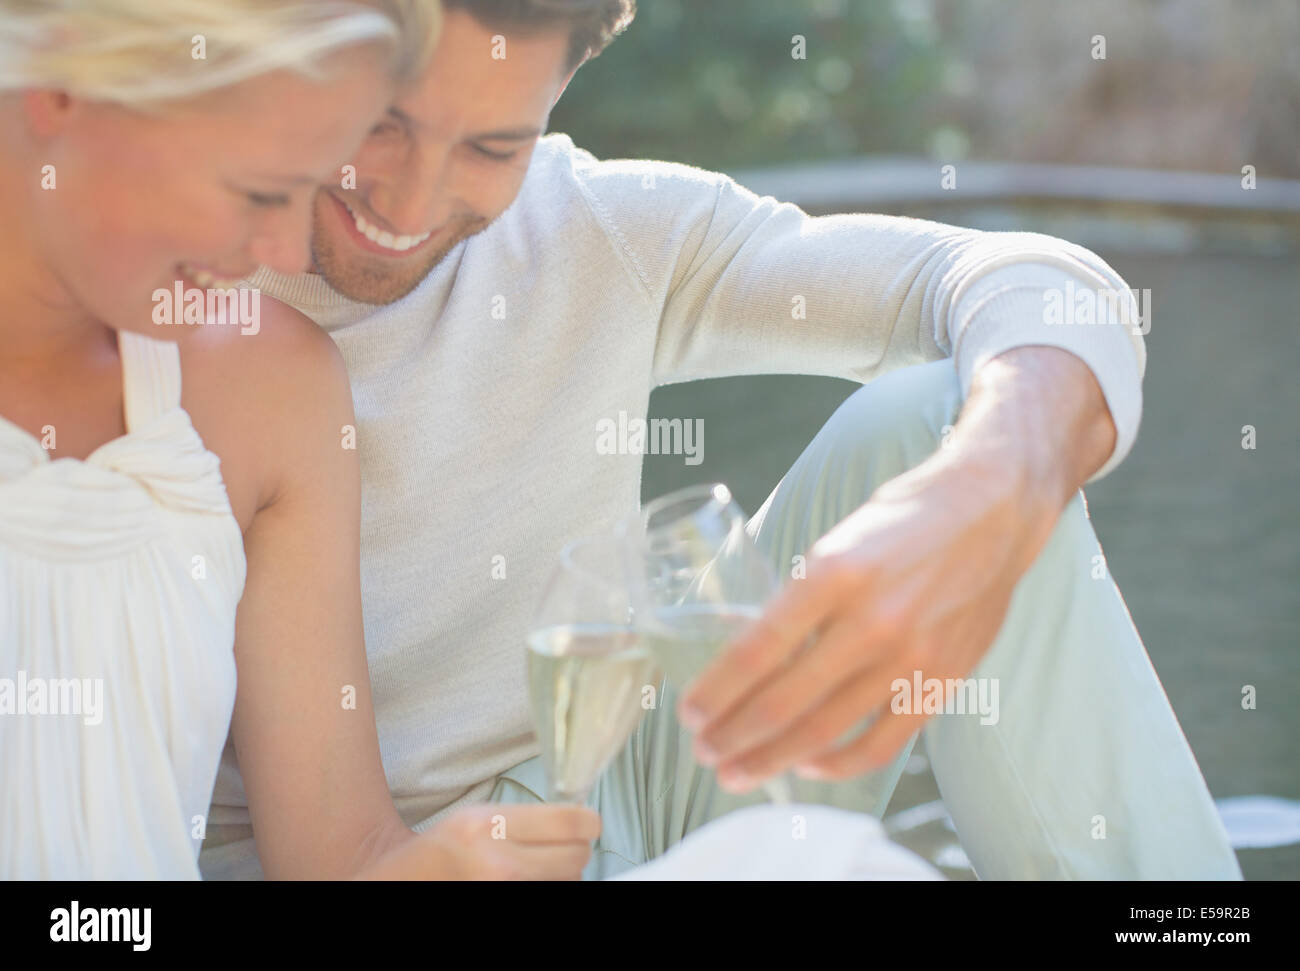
(119, 579)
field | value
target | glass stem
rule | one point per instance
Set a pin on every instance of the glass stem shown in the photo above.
(778, 790)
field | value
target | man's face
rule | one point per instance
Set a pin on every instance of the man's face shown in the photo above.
(448, 159)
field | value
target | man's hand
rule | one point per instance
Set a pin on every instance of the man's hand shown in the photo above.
(491, 841)
(917, 579)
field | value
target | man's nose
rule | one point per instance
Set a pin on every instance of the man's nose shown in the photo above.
(416, 199)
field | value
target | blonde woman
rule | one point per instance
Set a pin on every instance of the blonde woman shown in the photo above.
(179, 502)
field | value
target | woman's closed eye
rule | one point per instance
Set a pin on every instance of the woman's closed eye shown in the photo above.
(267, 199)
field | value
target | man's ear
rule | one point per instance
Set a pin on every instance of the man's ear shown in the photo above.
(47, 111)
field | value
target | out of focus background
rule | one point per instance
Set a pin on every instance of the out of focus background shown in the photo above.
(1164, 135)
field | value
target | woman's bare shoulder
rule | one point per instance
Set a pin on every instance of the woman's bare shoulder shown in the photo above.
(269, 398)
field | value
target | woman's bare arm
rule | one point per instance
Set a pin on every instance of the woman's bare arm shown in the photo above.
(304, 725)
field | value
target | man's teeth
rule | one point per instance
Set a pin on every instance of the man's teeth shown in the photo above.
(384, 239)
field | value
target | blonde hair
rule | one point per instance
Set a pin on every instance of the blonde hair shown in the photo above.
(141, 52)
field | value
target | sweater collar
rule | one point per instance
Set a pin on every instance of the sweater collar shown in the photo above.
(301, 289)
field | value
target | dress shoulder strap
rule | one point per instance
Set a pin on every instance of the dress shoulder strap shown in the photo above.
(151, 377)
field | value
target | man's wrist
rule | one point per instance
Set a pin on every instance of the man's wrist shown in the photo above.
(1039, 414)
(1033, 429)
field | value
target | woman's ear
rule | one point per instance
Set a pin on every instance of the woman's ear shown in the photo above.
(48, 112)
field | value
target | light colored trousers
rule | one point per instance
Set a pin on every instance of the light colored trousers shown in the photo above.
(1086, 773)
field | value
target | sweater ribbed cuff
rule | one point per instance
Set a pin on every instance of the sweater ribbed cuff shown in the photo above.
(1005, 310)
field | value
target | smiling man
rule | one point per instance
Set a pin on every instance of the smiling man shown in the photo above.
(497, 295)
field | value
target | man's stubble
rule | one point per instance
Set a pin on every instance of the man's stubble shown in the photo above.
(365, 277)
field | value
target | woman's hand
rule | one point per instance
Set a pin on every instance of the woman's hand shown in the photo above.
(495, 842)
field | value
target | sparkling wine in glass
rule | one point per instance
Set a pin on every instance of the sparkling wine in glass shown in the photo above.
(697, 582)
(588, 668)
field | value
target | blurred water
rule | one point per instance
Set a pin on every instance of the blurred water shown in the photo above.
(1258, 822)
(1252, 822)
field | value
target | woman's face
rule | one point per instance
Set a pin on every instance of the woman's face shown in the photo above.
(204, 193)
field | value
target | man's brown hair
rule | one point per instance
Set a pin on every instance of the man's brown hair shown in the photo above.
(592, 24)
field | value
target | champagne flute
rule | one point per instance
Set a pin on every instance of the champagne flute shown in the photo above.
(697, 582)
(588, 667)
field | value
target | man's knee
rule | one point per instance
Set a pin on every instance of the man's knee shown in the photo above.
(897, 420)
(880, 431)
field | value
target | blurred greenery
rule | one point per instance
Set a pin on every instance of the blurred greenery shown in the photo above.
(1205, 85)
(715, 84)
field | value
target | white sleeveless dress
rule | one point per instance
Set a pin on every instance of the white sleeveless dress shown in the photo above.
(126, 569)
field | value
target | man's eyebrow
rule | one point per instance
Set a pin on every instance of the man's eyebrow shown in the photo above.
(507, 135)
(402, 116)
(289, 179)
